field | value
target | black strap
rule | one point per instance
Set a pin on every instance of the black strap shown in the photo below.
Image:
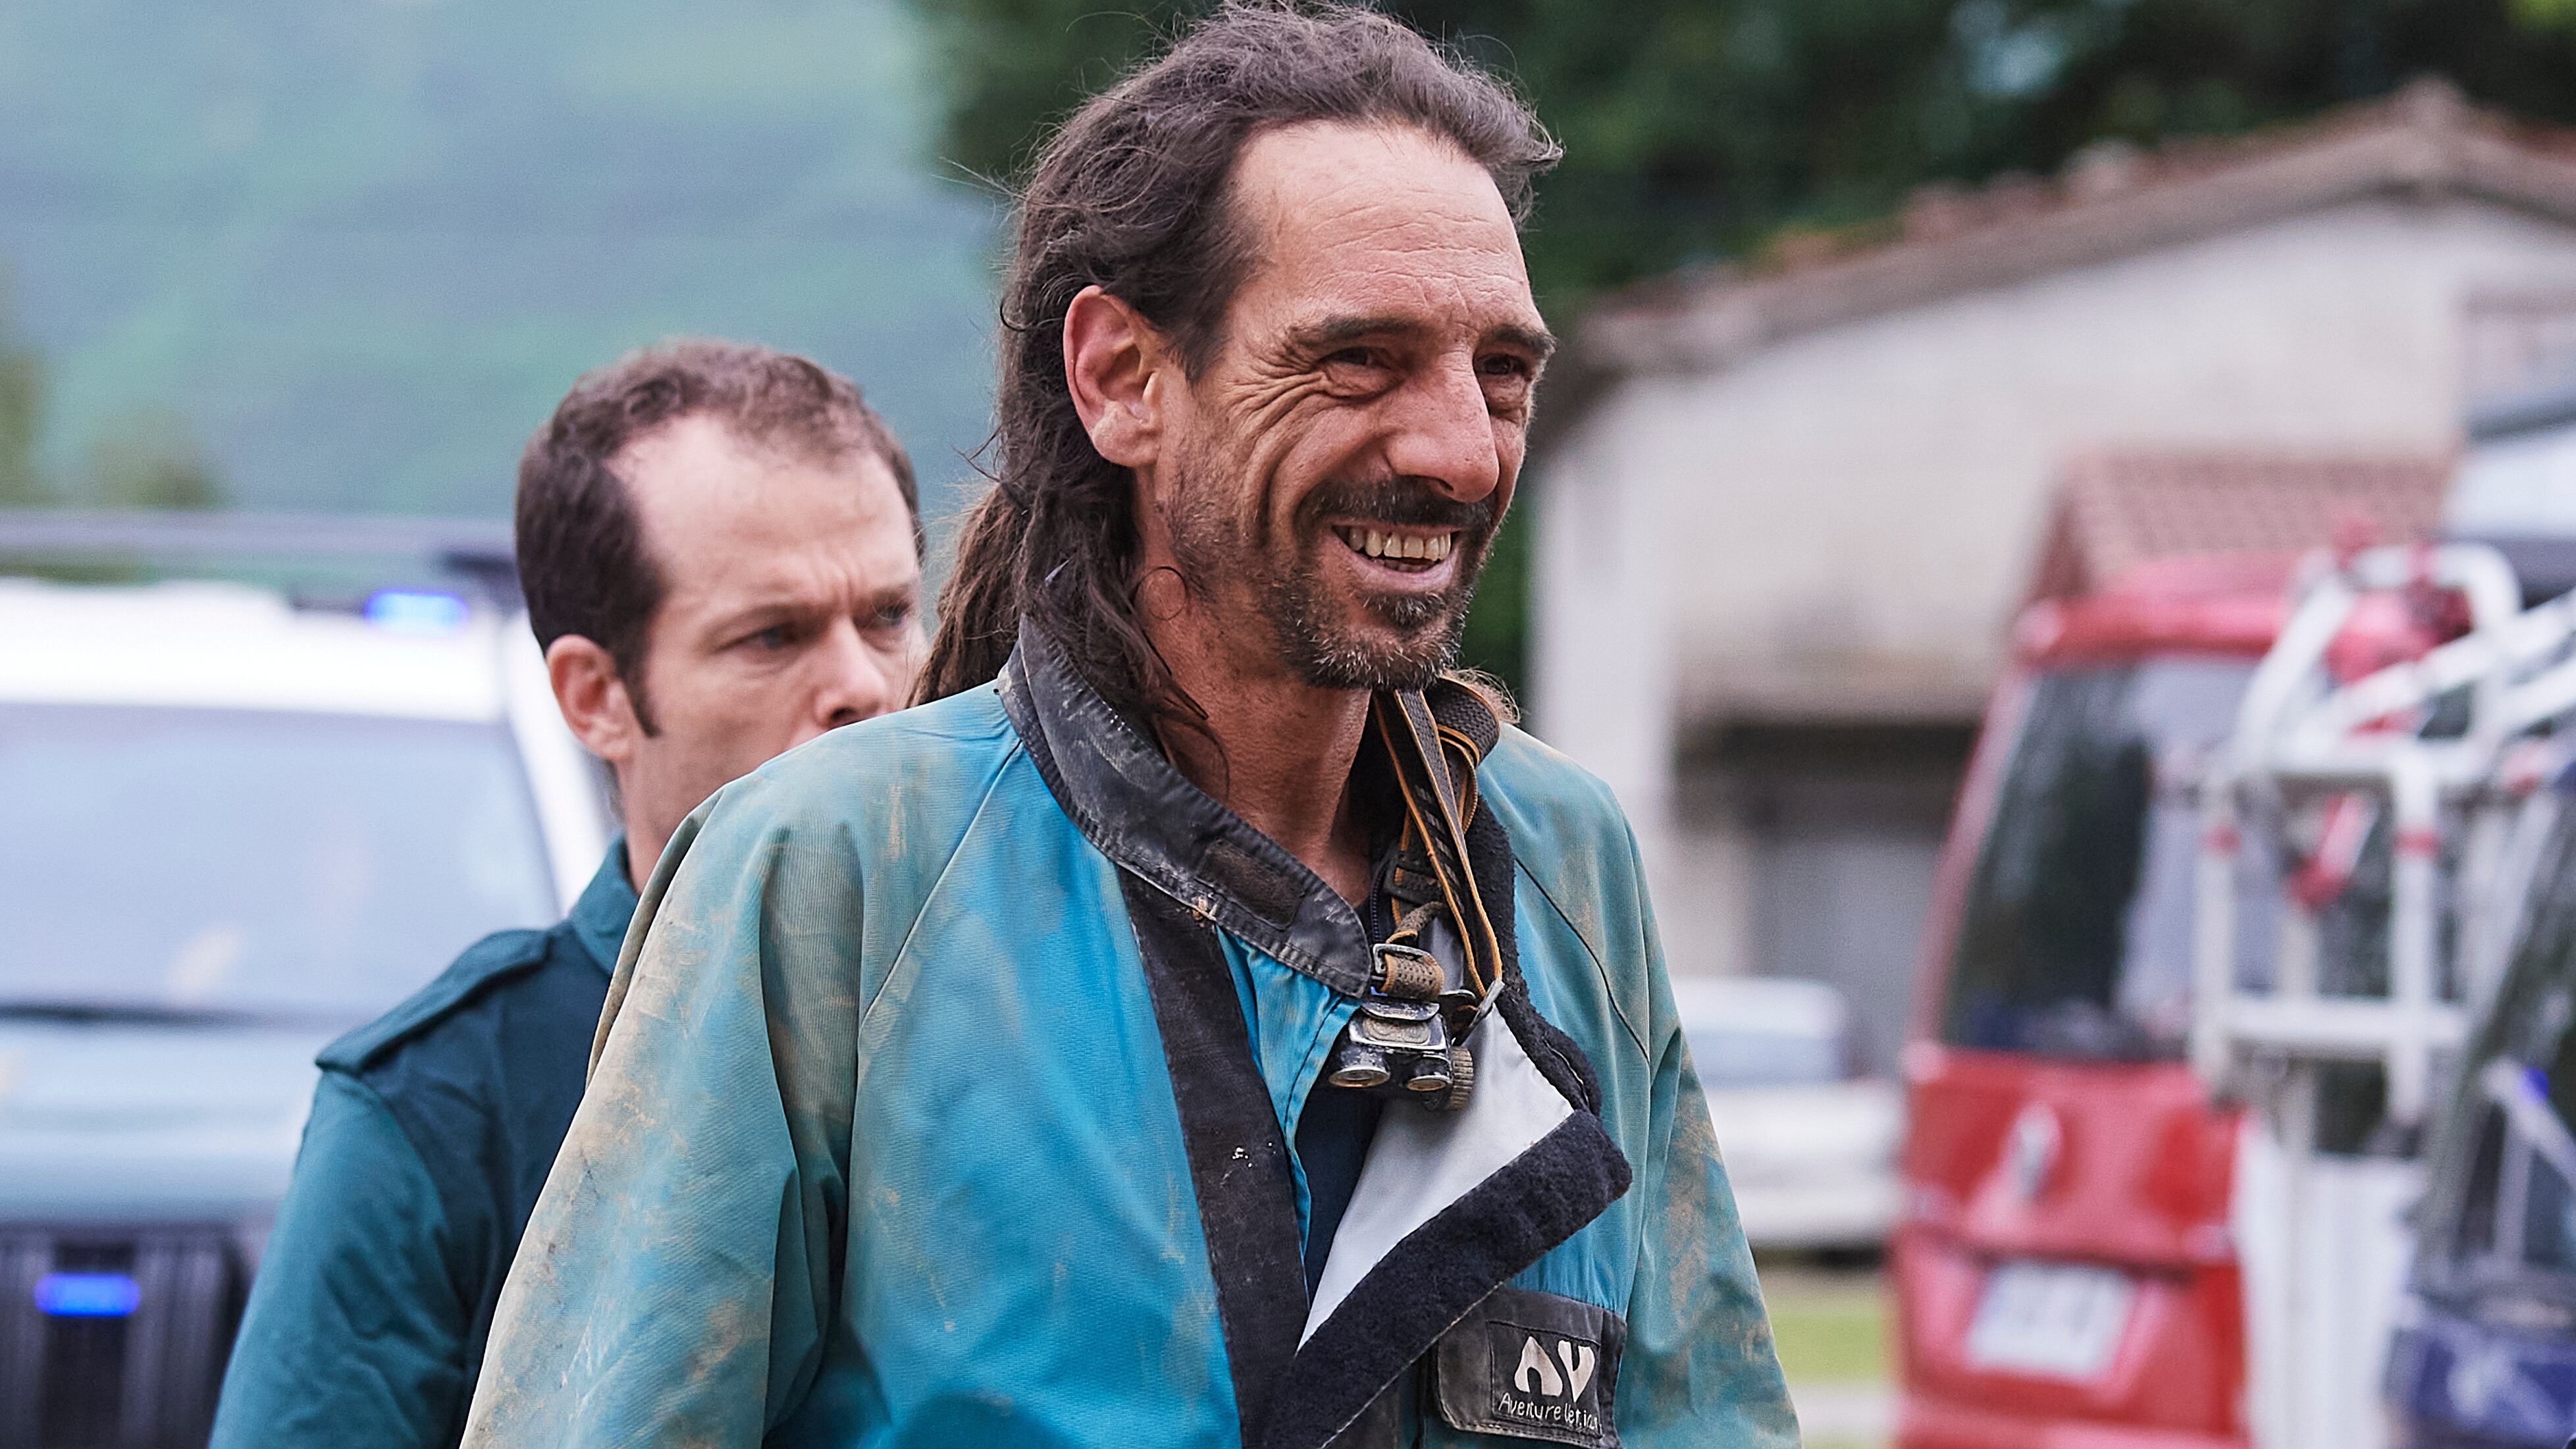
(1438, 812)
(1239, 1167)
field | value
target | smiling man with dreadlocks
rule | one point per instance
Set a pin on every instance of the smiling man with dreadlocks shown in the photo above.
(1207, 1022)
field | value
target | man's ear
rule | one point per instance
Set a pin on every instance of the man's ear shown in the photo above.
(593, 698)
(1114, 364)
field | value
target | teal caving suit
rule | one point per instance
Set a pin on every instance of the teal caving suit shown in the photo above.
(947, 1097)
(431, 1133)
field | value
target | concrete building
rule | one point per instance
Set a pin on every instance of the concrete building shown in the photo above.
(1787, 512)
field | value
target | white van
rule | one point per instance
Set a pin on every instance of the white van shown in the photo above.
(231, 828)
(1809, 1143)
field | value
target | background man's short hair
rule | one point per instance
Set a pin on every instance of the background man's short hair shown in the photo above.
(583, 563)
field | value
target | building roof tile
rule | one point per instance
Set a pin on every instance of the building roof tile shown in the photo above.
(2111, 200)
(2116, 513)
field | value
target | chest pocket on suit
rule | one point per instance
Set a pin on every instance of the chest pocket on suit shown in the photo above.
(1532, 1366)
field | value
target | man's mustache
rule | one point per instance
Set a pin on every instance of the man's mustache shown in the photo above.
(1397, 500)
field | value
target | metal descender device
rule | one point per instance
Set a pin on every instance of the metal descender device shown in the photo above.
(1409, 1036)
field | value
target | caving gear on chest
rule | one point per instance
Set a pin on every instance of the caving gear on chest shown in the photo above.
(1408, 1038)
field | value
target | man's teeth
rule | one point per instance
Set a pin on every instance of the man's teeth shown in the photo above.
(1376, 543)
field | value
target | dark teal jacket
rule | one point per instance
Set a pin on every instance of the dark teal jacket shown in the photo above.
(431, 1134)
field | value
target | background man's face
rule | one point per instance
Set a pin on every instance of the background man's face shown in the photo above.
(1341, 465)
(791, 606)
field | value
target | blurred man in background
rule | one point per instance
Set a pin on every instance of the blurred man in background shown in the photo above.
(1223, 1027)
(721, 551)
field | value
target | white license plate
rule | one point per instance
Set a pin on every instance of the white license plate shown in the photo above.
(2050, 1320)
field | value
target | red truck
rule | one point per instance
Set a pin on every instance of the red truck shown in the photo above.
(2070, 1266)
(2064, 1268)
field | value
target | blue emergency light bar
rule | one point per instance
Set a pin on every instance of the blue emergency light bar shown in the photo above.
(477, 551)
(86, 1295)
(415, 611)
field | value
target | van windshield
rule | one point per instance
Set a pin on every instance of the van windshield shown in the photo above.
(2076, 937)
(234, 861)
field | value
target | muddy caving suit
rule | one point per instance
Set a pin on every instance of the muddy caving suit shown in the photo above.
(950, 1088)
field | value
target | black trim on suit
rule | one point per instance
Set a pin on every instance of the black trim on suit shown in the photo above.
(1247, 1194)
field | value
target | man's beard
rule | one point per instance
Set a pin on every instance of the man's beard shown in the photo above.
(1417, 634)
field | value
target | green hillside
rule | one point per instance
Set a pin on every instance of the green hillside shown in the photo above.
(351, 252)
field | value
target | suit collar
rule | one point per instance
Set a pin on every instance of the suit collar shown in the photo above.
(1142, 813)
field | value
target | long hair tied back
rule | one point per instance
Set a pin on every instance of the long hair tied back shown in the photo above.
(1130, 196)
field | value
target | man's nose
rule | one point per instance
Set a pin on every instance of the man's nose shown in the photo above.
(852, 681)
(1445, 433)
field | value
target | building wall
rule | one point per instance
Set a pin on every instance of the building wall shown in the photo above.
(1836, 528)
(1811, 851)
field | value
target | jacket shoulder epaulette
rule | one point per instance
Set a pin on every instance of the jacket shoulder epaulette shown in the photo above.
(496, 956)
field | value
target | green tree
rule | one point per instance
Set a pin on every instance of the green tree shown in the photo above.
(22, 407)
(151, 459)
(1696, 129)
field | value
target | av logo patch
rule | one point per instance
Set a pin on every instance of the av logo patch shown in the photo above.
(1535, 1375)
(1525, 1365)
(1545, 1379)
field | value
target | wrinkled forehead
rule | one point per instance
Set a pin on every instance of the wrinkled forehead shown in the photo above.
(1346, 219)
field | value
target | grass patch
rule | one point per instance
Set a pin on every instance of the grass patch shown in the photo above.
(1831, 1328)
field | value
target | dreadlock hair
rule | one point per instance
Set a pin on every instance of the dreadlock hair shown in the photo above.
(1132, 196)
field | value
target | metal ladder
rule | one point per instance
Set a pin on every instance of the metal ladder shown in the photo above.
(2308, 748)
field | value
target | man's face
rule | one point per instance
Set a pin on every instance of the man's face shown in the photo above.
(1340, 466)
(791, 606)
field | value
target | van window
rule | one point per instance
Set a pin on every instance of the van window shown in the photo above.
(2076, 938)
(238, 861)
